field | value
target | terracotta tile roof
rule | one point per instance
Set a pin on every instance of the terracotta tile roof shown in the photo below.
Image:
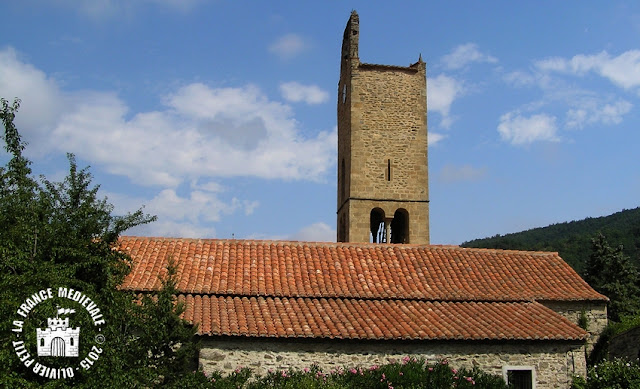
(373, 271)
(376, 319)
(361, 291)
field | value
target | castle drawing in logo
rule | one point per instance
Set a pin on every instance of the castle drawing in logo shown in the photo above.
(58, 340)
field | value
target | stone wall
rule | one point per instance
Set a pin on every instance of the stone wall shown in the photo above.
(553, 363)
(626, 345)
(595, 311)
(418, 218)
(382, 142)
(389, 111)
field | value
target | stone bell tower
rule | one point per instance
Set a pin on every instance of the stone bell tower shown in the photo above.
(383, 181)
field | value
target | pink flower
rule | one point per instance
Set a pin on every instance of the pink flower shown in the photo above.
(431, 369)
(374, 367)
(406, 360)
(384, 377)
(454, 371)
(306, 369)
(353, 370)
(284, 373)
(401, 373)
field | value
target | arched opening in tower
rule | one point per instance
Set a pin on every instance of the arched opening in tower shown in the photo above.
(377, 226)
(400, 226)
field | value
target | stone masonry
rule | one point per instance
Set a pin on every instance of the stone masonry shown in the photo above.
(382, 144)
(626, 345)
(552, 363)
(594, 311)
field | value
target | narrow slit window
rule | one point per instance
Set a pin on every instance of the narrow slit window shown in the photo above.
(388, 170)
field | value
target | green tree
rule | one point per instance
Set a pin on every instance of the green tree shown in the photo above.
(62, 234)
(610, 272)
(165, 332)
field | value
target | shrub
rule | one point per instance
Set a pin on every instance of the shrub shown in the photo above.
(610, 374)
(408, 373)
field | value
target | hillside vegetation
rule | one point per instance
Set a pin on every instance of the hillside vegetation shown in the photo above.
(572, 240)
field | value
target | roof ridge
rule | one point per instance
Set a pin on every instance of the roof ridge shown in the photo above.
(357, 270)
(333, 244)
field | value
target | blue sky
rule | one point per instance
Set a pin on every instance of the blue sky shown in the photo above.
(220, 116)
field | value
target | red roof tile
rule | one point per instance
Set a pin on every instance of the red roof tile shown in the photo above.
(347, 270)
(361, 291)
(376, 319)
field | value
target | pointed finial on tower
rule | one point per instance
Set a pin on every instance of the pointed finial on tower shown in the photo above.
(420, 59)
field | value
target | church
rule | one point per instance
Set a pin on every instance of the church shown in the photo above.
(382, 291)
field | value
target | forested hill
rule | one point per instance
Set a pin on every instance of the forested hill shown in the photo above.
(572, 240)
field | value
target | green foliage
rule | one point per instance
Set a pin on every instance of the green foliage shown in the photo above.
(572, 239)
(611, 273)
(163, 339)
(583, 321)
(61, 234)
(601, 349)
(625, 324)
(610, 374)
(409, 373)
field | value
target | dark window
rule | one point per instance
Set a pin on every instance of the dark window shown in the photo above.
(520, 379)
(377, 226)
(400, 226)
(388, 170)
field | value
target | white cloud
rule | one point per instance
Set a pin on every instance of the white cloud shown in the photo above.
(582, 107)
(198, 206)
(451, 173)
(519, 78)
(317, 232)
(441, 92)
(189, 216)
(200, 135)
(205, 132)
(310, 94)
(623, 70)
(591, 112)
(434, 137)
(41, 98)
(465, 54)
(288, 46)
(520, 130)
(170, 228)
